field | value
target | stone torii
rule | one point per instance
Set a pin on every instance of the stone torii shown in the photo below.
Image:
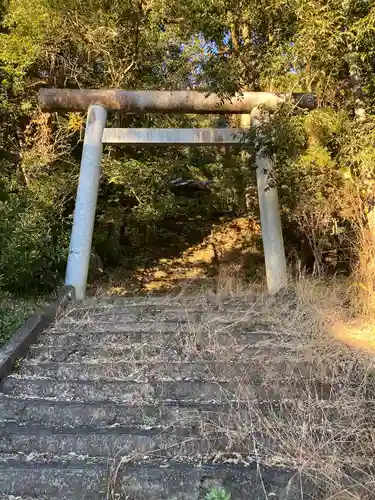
(99, 102)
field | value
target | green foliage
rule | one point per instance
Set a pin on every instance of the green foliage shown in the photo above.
(29, 26)
(322, 157)
(217, 494)
(32, 252)
(14, 311)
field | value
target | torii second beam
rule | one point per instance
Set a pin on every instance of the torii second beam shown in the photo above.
(175, 136)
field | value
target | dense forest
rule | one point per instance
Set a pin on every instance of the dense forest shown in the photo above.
(324, 159)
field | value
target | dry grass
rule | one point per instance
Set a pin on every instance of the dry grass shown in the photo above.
(327, 432)
(319, 416)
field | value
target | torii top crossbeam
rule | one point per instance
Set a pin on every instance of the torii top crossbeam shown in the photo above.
(163, 101)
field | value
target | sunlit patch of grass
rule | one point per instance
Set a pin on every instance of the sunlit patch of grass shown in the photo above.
(358, 333)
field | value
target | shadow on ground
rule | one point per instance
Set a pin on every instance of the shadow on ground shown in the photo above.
(230, 247)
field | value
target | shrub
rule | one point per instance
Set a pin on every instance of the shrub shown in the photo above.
(33, 247)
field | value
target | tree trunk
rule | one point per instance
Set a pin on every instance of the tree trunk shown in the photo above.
(356, 84)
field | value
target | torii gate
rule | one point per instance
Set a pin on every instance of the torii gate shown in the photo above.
(99, 102)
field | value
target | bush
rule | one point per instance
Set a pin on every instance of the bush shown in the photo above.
(13, 312)
(33, 247)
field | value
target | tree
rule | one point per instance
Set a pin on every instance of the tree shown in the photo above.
(323, 159)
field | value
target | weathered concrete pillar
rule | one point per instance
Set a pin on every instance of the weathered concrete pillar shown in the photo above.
(245, 123)
(270, 220)
(87, 195)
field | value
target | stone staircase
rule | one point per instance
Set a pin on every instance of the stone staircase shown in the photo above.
(148, 399)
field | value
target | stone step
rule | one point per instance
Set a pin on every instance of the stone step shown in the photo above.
(146, 481)
(71, 325)
(149, 352)
(53, 481)
(178, 300)
(53, 459)
(139, 301)
(116, 324)
(12, 497)
(101, 415)
(153, 391)
(127, 392)
(158, 415)
(134, 313)
(157, 313)
(103, 338)
(186, 443)
(137, 371)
